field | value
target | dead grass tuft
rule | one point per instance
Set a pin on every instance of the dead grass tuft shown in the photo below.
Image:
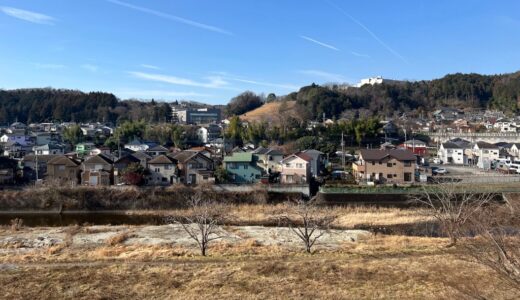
(119, 238)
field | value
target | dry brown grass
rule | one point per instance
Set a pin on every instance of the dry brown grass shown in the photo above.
(269, 112)
(119, 238)
(347, 216)
(375, 269)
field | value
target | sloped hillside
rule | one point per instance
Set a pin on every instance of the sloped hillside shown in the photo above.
(271, 112)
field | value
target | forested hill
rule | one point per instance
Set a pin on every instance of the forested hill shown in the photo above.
(40, 105)
(455, 90)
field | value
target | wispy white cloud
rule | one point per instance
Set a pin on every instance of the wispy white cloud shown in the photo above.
(146, 66)
(89, 67)
(234, 77)
(319, 43)
(49, 66)
(213, 82)
(359, 54)
(324, 75)
(370, 32)
(171, 17)
(26, 15)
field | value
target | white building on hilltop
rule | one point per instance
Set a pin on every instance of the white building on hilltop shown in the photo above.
(375, 80)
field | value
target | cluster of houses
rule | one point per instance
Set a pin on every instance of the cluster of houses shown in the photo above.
(37, 154)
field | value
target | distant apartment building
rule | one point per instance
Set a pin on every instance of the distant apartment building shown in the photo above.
(195, 115)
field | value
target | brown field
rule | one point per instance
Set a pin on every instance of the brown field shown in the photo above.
(269, 112)
(383, 267)
(123, 262)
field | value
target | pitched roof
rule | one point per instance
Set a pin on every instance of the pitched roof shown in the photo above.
(299, 155)
(184, 155)
(41, 158)
(377, 154)
(162, 160)
(63, 160)
(99, 159)
(141, 155)
(239, 157)
(485, 145)
(127, 158)
(451, 145)
(158, 148)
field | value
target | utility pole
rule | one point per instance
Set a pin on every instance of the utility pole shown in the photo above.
(36, 160)
(342, 151)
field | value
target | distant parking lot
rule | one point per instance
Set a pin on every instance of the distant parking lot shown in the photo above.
(475, 175)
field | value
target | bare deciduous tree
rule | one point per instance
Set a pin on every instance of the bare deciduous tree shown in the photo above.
(498, 244)
(307, 221)
(452, 205)
(203, 219)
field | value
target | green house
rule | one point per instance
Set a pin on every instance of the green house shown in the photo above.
(242, 168)
(84, 148)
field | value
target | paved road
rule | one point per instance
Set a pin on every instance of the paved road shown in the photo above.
(476, 175)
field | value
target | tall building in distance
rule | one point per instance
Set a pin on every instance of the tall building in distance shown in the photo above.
(196, 116)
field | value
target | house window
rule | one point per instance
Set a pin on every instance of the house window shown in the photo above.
(373, 163)
(299, 166)
(288, 165)
(168, 167)
(158, 170)
(245, 167)
(407, 176)
(389, 165)
(61, 167)
(389, 176)
(407, 163)
(233, 166)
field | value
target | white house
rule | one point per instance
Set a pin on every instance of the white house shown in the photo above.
(48, 149)
(452, 153)
(484, 154)
(137, 145)
(505, 126)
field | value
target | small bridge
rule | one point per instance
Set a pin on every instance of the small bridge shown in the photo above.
(489, 137)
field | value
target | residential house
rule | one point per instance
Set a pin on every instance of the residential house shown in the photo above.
(143, 157)
(63, 170)
(48, 149)
(157, 151)
(452, 153)
(163, 170)
(138, 145)
(209, 133)
(194, 167)
(296, 169)
(242, 168)
(8, 168)
(417, 147)
(97, 171)
(122, 163)
(514, 149)
(35, 163)
(385, 166)
(484, 154)
(14, 150)
(317, 161)
(83, 149)
(18, 126)
(268, 159)
(100, 150)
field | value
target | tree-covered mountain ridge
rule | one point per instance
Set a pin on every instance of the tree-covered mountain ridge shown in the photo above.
(465, 91)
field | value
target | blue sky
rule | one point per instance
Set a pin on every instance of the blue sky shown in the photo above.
(210, 51)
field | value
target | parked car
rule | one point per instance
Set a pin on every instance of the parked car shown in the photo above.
(439, 171)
